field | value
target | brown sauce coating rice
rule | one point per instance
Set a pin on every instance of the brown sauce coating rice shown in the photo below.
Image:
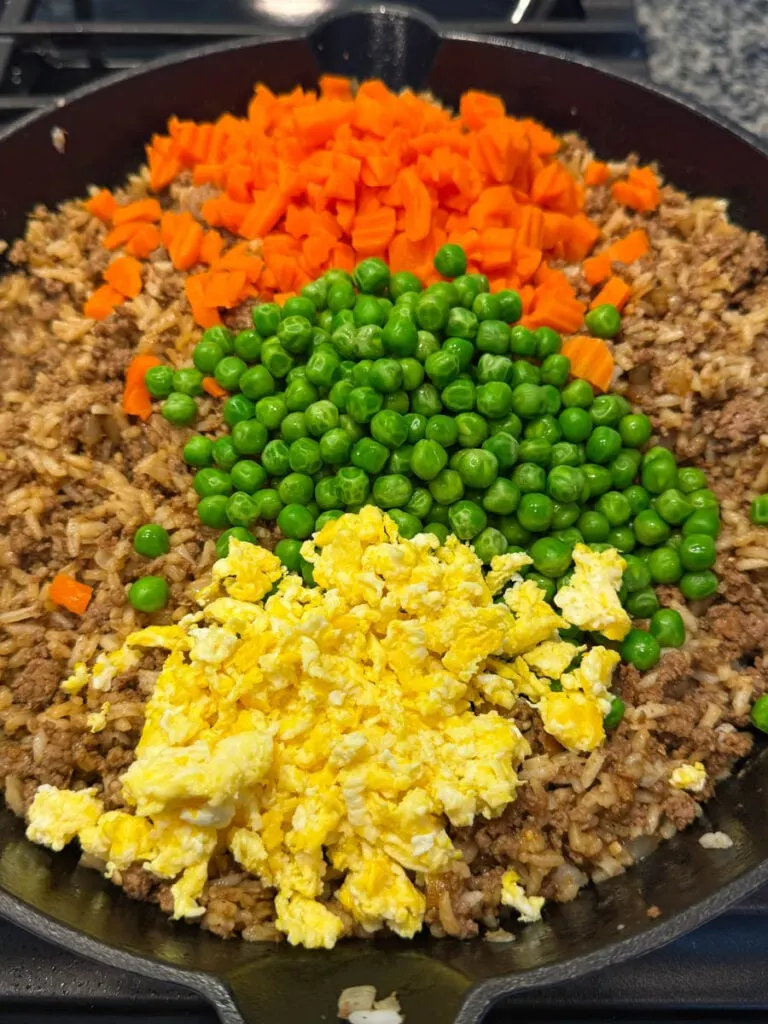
(77, 478)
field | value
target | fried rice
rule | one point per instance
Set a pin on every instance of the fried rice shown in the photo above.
(78, 478)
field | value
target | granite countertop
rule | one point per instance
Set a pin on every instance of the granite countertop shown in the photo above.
(716, 51)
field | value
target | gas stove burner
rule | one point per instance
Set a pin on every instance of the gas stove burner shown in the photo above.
(49, 47)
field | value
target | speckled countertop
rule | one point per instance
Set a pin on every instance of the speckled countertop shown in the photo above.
(715, 51)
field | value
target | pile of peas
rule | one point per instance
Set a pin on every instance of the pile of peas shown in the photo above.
(371, 389)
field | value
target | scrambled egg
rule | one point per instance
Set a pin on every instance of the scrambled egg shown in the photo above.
(513, 895)
(692, 777)
(591, 599)
(342, 726)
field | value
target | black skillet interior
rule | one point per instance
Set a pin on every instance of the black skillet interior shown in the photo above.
(106, 129)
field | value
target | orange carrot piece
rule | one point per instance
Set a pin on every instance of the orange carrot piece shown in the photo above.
(478, 108)
(124, 274)
(102, 302)
(335, 87)
(211, 246)
(263, 215)
(632, 247)
(373, 232)
(212, 387)
(194, 288)
(137, 400)
(143, 241)
(591, 359)
(597, 268)
(70, 594)
(224, 288)
(615, 292)
(639, 192)
(121, 234)
(596, 173)
(163, 167)
(102, 205)
(185, 245)
(418, 206)
(142, 209)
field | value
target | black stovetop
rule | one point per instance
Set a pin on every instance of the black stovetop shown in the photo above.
(48, 47)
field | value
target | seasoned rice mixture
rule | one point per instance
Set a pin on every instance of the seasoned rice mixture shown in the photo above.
(79, 477)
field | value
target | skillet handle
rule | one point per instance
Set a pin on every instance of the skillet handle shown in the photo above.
(295, 986)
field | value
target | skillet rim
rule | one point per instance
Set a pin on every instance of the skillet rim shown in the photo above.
(481, 996)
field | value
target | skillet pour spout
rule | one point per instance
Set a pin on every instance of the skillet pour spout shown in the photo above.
(437, 981)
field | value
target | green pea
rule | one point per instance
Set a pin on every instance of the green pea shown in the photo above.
(368, 311)
(615, 507)
(606, 410)
(638, 498)
(247, 345)
(510, 424)
(578, 394)
(327, 494)
(603, 321)
(522, 342)
(180, 410)
(622, 538)
(335, 447)
(551, 557)
(664, 564)
(321, 417)
(428, 459)
(222, 336)
(759, 713)
(504, 447)
(442, 429)
(368, 343)
(691, 479)
(472, 430)
(339, 393)
(198, 451)
(397, 402)
(493, 336)
(212, 511)
(212, 481)
(555, 370)
(442, 367)
(502, 497)
(536, 450)
(477, 467)
(624, 467)
(673, 506)
(439, 514)
(234, 533)
(275, 358)
(544, 583)
(249, 437)
(248, 476)
(450, 260)
(668, 628)
(408, 525)
(603, 445)
(298, 306)
(426, 401)
(159, 381)
(289, 553)
(467, 519)
(659, 471)
(565, 453)
(570, 537)
(432, 311)
(703, 498)
(535, 512)
(238, 408)
(529, 477)
(514, 533)
(389, 428)
(241, 509)
(637, 575)
(489, 543)
(328, 517)
(275, 457)
(594, 527)
(494, 399)
(486, 306)
(702, 520)
(371, 275)
(417, 426)
(697, 551)
(543, 427)
(297, 488)
(510, 305)
(206, 356)
(304, 456)
(363, 404)
(426, 344)
(599, 479)
(564, 514)
(393, 490)
(694, 586)
(635, 430)
(615, 715)
(462, 324)
(296, 522)
(642, 603)
(148, 594)
(369, 455)
(402, 283)
(640, 649)
(354, 485)
(565, 483)
(412, 373)
(228, 372)
(420, 503)
(225, 454)
(446, 488)
(340, 295)
(459, 396)
(322, 368)
(650, 528)
(266, 318)
(493, 368)
(151, 541)
(527, 401)
(575, 424)
(548, 342)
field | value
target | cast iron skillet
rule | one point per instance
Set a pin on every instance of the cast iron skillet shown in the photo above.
(438, 981)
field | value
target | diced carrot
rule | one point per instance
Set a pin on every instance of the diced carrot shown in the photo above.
(205, 315)
(478, 108)
(121, 234)
(596, 173)
(212, 387)
(137, 400)
(373, 232)
(597, 268)
(335, 87)
(558, 311)
(639, 192)
(102, 204)
(142, 209)
(263, 215)
(614, 292)
(211, 246)
(224, 288)
(102, 302)
(124, 274)
(632, 247)
(143, 242)
(185, 245)
(70, 594)
(418, 206)
(591, 359)
(163, 168)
